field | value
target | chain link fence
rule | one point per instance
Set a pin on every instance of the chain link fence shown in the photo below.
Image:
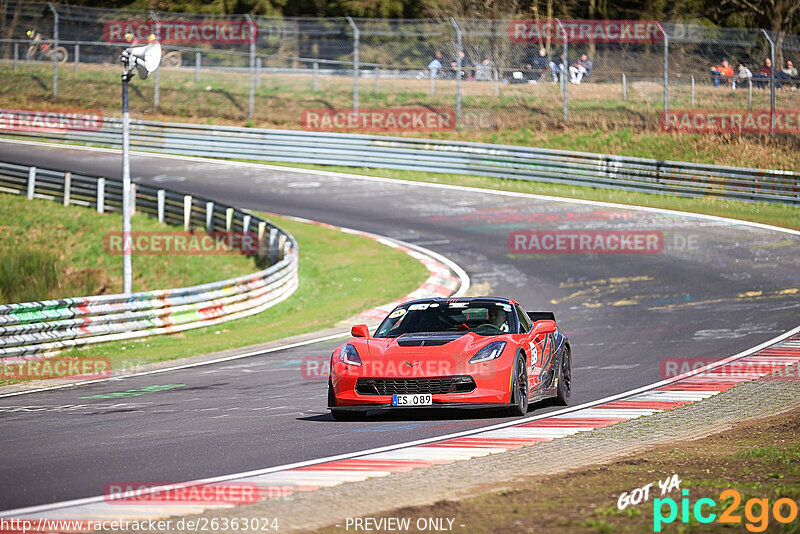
(490, 74)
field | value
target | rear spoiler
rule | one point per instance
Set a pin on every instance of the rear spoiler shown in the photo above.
(541, 316)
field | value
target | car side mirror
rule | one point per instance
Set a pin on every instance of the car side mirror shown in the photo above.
(359, 330)
(544, 327)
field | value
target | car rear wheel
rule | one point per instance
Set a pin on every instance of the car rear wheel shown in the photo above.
(564, 388)
(519, 387)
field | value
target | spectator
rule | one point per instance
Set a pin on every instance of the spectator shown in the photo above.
(557, 65)
(743, 76)
(763, 74)
(540, 66)
(580, 69)
(787, 75)
(483, 72)
(436, 64)
(722, 73)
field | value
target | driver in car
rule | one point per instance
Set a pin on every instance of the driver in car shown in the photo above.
(497, 318)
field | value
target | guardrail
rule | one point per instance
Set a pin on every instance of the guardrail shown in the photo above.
(482, 159)
(41, 327)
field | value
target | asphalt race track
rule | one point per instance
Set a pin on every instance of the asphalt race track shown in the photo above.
(714, 290)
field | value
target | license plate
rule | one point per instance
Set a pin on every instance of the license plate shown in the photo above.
(412, 400)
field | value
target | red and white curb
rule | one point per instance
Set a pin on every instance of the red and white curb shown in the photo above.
(762, 362)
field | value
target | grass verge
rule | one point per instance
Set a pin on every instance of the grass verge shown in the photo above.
(333, 286)
(758, 458)
(48, 251)
(761, 212)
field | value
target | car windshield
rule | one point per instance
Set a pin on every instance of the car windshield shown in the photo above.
(482, 318)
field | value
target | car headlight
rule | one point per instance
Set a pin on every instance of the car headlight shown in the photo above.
(489, 352)
(349, 355)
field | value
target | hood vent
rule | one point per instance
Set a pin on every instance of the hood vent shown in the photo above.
(426, 340)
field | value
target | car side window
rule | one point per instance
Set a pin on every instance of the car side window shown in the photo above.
(524, 321)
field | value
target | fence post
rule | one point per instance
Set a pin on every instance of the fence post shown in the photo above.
(624, 88)
(356, 39)
(67, 187)
(273, 245)
(749, 93)
(245, 224)
(157, 80)
(55, 48)
(161, 195)
(666, 72)
(262, 229)
(564, 70)
(771, 85)
(692, 91)
(315, 72)
(228, 219)
(251, 110)
(187, 212)
(31, 182)
(77, 56)
(198, 59)
(258, 71)
(377, 78)
(430, 75)
(458, 70)
(16, 55)
(101, 195)
(496, 82)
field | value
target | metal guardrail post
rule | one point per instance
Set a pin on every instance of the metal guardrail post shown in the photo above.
(314, 74)
(16, 55)
(101, 195)
(157, 80)
(458, 70)
(67, 187)
(31, 182)
(431, 91)
(356, 64)
(209, 216)
(749, 93)
(251, 109)
(262, 230)
(377, 79)
(692, 91)
(771, 84)
(55, 48)
(197, 61)
(187, 212)
(161, 196)
(258, 71)
(77, 59)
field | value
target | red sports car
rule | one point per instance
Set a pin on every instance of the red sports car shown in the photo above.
(479, 352)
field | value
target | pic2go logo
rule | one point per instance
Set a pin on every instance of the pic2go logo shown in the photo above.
(756, 511)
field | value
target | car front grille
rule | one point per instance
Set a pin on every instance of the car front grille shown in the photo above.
(400, 386)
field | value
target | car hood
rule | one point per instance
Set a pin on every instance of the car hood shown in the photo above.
(428, 345)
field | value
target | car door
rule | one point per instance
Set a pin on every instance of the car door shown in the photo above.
(540, 352)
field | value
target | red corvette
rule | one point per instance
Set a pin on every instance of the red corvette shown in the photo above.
(479, 352)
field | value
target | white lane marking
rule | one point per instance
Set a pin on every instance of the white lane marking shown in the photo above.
(534, 432)
(418, 184)
(433, 453)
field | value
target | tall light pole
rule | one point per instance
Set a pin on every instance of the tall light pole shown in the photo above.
(141, 60)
